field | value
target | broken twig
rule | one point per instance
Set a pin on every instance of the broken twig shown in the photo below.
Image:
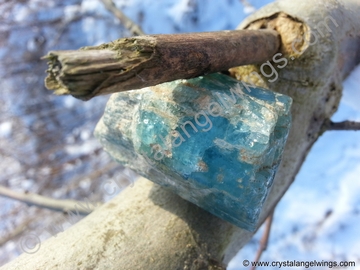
(265, 239)
(345, 125)
(17, 231)
(45, 202)
(133, 63)
(133, 28)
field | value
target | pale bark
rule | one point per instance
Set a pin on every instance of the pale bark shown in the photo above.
(125, 20)
(146, 227)
(82, 208)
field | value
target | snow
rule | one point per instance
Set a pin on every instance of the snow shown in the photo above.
(69, 102)
(5, 129)
(21, 12)
(70, 12)
(316, 219)
(93, 7)
(83, 149)
(178, 10)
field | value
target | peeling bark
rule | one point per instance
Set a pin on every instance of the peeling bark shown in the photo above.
(133, 63)
(147, 227)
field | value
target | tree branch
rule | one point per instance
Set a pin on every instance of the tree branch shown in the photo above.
(345, 125)
(45, 202)
(265, 238)
(248, 8)
(138, 62)
(126, 21)
(148, 227)
(17, 231)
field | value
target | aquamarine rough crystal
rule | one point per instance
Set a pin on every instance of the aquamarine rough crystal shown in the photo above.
(215, 141)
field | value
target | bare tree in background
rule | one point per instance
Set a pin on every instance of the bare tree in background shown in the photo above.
(46, 143)
(147, 227)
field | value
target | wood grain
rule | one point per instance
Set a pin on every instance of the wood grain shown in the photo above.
(133, 63)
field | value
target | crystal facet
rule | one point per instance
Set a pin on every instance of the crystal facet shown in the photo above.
(215, 141)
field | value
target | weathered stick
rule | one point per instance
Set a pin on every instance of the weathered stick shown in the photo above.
(133, 63)
(127, 22)
(148, 227)
(264, 239)
(345, 125)
(45, 202)
(17, 231)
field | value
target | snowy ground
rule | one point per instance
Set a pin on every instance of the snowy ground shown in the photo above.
(316, 220)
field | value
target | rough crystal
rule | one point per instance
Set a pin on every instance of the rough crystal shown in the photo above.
(213, 140)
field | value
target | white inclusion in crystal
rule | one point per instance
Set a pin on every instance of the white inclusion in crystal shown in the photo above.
(268, 115)
(224, 144)
(280, 105)
(259, 137)
(244, 128)
(237, 88)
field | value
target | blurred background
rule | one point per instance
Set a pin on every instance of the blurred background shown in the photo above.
(47, 144)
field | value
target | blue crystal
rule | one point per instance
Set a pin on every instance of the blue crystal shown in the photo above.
(213, 140)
